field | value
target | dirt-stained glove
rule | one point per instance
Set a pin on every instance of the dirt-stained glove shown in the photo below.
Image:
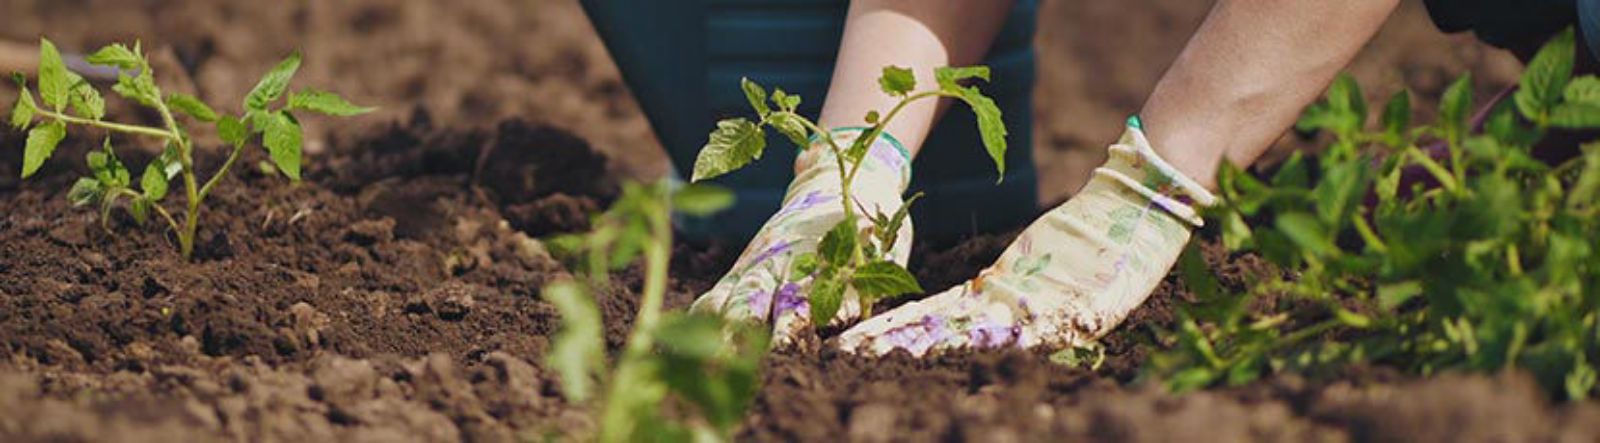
(760, 286)
(1070, 277)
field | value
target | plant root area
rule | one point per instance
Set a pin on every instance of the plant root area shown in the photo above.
(394, 295)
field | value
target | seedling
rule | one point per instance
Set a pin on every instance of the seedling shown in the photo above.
(848, 257)
(685, 355)
(66, 99)
(1487, 263)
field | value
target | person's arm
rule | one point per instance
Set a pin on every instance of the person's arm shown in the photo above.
(1246, 74)
(916, 34)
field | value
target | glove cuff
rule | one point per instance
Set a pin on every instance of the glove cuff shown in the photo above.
(1136, 165)
(884, 156)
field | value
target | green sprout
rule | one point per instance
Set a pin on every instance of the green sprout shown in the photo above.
(848, 257)
(66, 98)
(1492, 266)
(711, 366)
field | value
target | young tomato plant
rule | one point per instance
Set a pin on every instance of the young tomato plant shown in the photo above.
(708, 365)
(848, 257)
(1469, 256)
(66, 99)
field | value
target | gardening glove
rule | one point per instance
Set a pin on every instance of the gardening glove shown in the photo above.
(760, 286)
(1070, 277)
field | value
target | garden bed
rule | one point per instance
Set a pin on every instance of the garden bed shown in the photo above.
(386, 297)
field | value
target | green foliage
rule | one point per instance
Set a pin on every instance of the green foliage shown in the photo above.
(1491, 267)
(848, 257)
(60, 89)
(710, 366)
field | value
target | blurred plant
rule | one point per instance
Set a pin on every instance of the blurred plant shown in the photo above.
(710, 366)
(1486, 263)
(109, 182)
(848, 257)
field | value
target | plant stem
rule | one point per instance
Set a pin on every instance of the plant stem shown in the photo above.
(217, 177)
(1444, 176)
(119, 127)
(617, 417)
(171, 222)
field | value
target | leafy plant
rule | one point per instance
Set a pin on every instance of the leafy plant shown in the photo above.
(1483, 259)
(848, 257)
(709, 366)
(66, 99)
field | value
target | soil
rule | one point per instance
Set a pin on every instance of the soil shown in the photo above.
(394, 294)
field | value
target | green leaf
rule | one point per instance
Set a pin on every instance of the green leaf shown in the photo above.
(283, 140)
(950, 78)
(1306, 231)
(1397, 118)
(889, 230)
(897, 81)
(107, 168)
(54, 83)
(701, 200)
(872, 117)
(42, 141)
(116, 55)
(791, 126)
(1455, 108)
(839, 244)
(1545, 80)
(756, 95)
(735, 143)
(139, 208)
(85, 100)
(785, 101)
(1345, 94)
(232, 131)
(154, 181)
(273, 84)
(1392, 295)
(882, 279)
(192, 106)
(1576, 115)
(141, 88)
(85, 191)
(803, 266)
(826, 297)
(326, 103)
(579, 349)
(1584, 89)
(22, 114)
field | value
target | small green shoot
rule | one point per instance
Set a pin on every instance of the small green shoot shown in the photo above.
(67, 99)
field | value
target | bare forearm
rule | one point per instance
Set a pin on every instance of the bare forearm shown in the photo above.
(1246, 74)
(916, 34)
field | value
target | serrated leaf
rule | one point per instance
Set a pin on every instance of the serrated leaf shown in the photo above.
(107, 168)
(826, 297)
(991, 126)
(1576, 115)
(1545, 79)
(803, 266)
(1345, 94)
(85, 99)
(140, 88)
(273, 84)
(897, 81)
(116, 55)
(42, 141)
(22, 113)
(791, 126)
(756, 96)
(326, 103)
(785, 101)
(139, 208)
(884, 278)
(839, 244)
(1397, 118)
(192, 106)
(54, 83)
(1584, 89)
(579, 348)
(232, 131)
(283, 140)
(1455, 107)
(86, 191)
(734, 144)
(701, 200)
(950, 78)
(154, 181)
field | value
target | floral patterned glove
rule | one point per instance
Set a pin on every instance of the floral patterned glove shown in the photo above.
(760, 287)
(1070, 277)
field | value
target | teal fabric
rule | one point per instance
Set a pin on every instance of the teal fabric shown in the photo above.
(683, 60)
